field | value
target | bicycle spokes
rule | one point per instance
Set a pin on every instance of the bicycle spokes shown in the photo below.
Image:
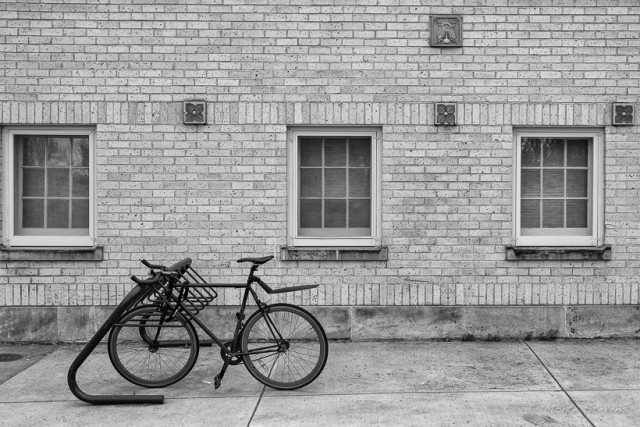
(154, 343)
(150, 351)
(284, 347)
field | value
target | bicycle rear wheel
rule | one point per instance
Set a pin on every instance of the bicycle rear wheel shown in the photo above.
(285, 347)
(151, 351)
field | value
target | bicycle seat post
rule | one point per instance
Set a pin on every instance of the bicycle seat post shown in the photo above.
(251, 278)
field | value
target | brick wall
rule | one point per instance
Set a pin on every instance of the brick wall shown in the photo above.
(218, 192)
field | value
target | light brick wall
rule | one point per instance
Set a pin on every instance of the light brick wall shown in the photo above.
(219, 192)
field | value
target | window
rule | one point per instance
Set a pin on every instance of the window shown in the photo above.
(49, 187)
(334, 187)
(559, 188)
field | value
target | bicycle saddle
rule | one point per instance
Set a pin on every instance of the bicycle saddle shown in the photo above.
(257, 261)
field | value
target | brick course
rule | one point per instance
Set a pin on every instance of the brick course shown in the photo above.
(218, 192)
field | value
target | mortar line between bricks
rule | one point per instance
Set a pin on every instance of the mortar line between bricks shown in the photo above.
(559, 385)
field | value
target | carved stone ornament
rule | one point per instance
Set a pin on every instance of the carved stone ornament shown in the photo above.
(623, 115)
(446, 31)
(445, 114)
(195, 112)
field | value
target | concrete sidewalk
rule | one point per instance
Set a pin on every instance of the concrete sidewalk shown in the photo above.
(576, 383)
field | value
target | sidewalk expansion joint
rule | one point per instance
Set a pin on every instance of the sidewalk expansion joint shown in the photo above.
(253, 414)
(400, 392)
(559, 385)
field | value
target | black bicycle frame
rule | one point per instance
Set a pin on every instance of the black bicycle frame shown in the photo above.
(174, 303)
(248, 290)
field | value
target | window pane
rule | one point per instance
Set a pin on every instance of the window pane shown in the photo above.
(335, 213)
(553, 213)
(52, 185)
(552, 152)
(530, 185)
(34, 150)
(334, 175)
(553, 183)
(577, 214)
(577, 183)
(360, 152)
(80, 184)
(80, 152)
(335, 182)
(530, 216)
(310, 151)
(359, 182)
(530, 152)
(310, 213)
(59, 152)
(563, 207)
(578, 153)
(310, 182)
(335, 152)
(360, 213)
(57, 182)
(57, 213)
(80, 213)
(33, 213)
(33, 182)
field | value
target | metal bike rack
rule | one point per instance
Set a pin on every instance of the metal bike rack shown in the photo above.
(136, 294)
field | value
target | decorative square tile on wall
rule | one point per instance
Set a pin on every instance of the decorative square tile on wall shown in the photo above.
(623, 114)
(445, 115)
(446, 31)
(195, 112)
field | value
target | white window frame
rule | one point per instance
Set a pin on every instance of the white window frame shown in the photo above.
(10, 239)
(597, 183)
(374, 240)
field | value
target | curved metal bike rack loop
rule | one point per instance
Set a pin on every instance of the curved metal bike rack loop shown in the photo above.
(136, 294)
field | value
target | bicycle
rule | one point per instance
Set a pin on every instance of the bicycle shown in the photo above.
(155, 344)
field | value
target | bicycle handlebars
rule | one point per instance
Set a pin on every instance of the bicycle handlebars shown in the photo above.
(155, 275)
(175, 267)
(180, 265)
(149, 281)
(152, 266)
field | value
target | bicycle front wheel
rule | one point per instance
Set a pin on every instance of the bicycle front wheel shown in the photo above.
(284, 347)
(151, 351)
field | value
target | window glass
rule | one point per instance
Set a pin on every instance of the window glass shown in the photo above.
(334, 197)
(555, 186)
(52, 185)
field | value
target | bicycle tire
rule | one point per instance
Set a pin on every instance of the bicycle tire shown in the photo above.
(151, 352)
(289, 363)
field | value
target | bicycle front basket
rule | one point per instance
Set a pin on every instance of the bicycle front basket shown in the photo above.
(188, 287)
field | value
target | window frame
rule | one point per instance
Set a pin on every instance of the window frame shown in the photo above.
(293, 174)
(596, 210)
(10, 239)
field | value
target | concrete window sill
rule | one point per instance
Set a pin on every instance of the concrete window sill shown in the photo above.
(553, 253)
(334, 254)
(51, 254)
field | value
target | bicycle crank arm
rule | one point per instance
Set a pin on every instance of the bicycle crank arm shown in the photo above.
(217, 382)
